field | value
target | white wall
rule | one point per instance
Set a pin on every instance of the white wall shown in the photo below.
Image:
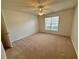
(20, 24)
(74, 34)
(65, 22)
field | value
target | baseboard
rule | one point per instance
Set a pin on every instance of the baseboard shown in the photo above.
(56, 34)
(74, 47)
(24, 37)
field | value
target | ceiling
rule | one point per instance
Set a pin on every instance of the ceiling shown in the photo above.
(32, 5)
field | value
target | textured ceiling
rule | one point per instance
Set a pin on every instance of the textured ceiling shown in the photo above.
(31, 5)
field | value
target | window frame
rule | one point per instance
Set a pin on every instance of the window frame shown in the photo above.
(58, 23)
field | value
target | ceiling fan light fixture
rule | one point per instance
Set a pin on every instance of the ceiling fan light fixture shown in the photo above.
(40, 13)
(40, 9)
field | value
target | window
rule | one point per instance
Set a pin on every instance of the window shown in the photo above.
(52, 23)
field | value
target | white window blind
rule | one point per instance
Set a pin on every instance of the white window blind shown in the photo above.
(52, 23)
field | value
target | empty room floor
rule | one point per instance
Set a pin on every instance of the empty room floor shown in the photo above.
(42, 46)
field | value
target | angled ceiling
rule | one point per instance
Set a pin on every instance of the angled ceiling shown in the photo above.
(32, 5)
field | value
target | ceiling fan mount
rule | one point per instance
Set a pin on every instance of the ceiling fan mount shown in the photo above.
(40, 6)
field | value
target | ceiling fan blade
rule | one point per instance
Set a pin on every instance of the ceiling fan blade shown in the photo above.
(29, 6)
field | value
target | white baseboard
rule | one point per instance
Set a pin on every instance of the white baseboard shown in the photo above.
(23, 37)
(74, 47)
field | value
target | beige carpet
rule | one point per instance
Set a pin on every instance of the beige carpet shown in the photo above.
(42, 46)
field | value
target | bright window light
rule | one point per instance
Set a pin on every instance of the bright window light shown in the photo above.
(52, 23)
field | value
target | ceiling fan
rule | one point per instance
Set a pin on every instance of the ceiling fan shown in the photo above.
(41, 10)
(39, 7)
